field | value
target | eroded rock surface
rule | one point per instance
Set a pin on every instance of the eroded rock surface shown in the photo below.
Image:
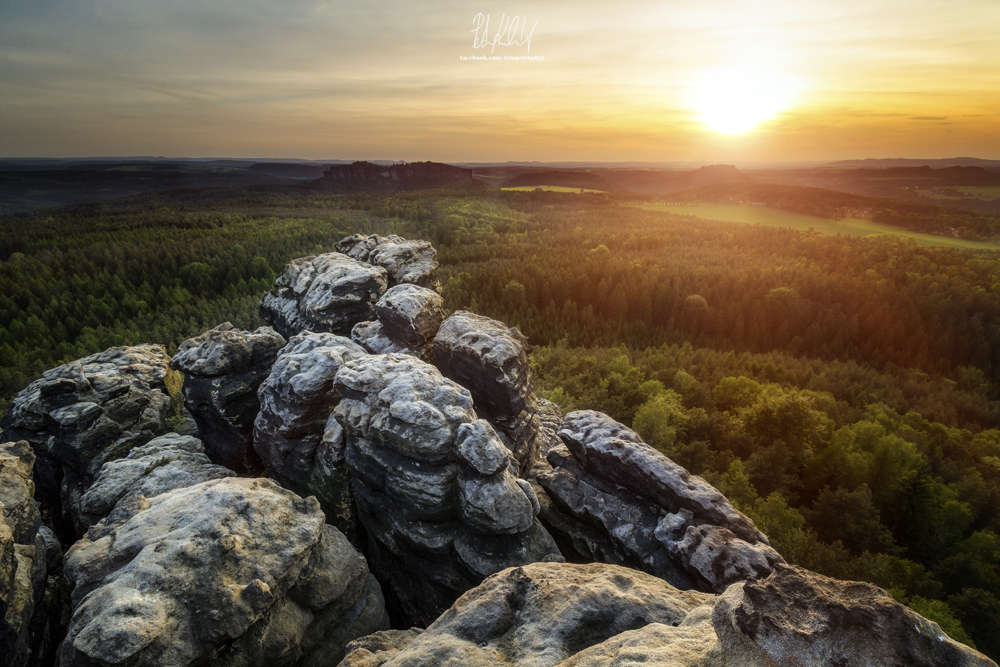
(615, 499)
(302, 446)
(233, 571)
(223, 368)
(491, 361)
(87, 412)
(327, 293)
(378, 648)
(372, 337)
(433, 485)
(406, 261)
(410, 314)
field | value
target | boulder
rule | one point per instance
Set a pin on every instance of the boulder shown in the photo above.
(433, 484)
(543, 614)
(302, 446)
(613, 498)
(378, 648)
(230, 571)
(26, 619)
(405, 261)
(327, 293)
(372, 337)
(410, 314)
(169, 462)
(491, 361)
(798, 617)
(82, 414)
(223, 368)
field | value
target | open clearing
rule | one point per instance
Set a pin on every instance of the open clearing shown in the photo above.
(773, 217)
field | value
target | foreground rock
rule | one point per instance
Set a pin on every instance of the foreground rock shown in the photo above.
(223, 368)
(82, 414)
(325, 293)
(408, 318)
(302, 445)
(491, 361)
(406, 261)
(561, 615)
(433, 486)
(617, 500)
(28, 620)
(232, 571)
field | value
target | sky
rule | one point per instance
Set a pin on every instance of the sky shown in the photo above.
(655, 81)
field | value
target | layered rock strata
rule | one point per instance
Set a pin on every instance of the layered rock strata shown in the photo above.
(300, 442)
(562, 615)
(223, 368)
(491, 361)
(617, 500)
(230, 571)
(433, 485)
(327, 293)
(87, 412)
(405, 261)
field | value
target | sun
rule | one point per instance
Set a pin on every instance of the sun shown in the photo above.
(737, 100)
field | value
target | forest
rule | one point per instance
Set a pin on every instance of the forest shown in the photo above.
(842, 392)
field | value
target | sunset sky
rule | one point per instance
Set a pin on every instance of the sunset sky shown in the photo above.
(625, 81)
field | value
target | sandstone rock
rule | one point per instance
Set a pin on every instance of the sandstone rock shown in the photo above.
(491, 361)
(615, 499)
(798, 617)
(410, 314)
(541, 614)
(378, 648)
(17, 492)
(406, 261)
(223, 369)
(163, 464)
(326, 294)
(82, 414)
(301, 445)
(232, 571)
(433, 485)
(372, 337)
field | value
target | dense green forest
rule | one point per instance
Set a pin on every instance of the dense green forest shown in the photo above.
(842, 392)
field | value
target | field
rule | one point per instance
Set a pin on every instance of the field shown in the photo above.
(550, 188)
(980, 192)
(773, 217)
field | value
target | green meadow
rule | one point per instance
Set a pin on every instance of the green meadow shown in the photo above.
(550, 188)
(773, 217)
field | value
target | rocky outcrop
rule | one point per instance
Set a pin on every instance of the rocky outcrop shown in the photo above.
(232, 571)
(82, 414)
(617, 500)
(28, 617)
(562, 615)
(433, 486)
(543, 614)
(324, 293)
(300, 442)
(223, 368)
(408, 318)
(491, 361)
(163, 464)
(369, 177)
(405, 261)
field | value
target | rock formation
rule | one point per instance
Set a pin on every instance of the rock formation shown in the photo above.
(408, 318)
(491, 361)
(617, 500)
(223, 368)
(232, 571)
(433, 486)
(87, 412)
(326, 293)
(557, 614)
(406, 261)
(302, 445)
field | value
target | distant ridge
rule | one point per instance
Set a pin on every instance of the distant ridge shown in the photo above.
(368, 177)
(882, 163)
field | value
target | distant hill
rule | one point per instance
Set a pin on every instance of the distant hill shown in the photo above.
(883, 163)
(369, 177)
(664, 181)
(568, 179)
(288, 170)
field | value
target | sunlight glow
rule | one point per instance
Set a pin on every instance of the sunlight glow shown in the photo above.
(737, 100)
